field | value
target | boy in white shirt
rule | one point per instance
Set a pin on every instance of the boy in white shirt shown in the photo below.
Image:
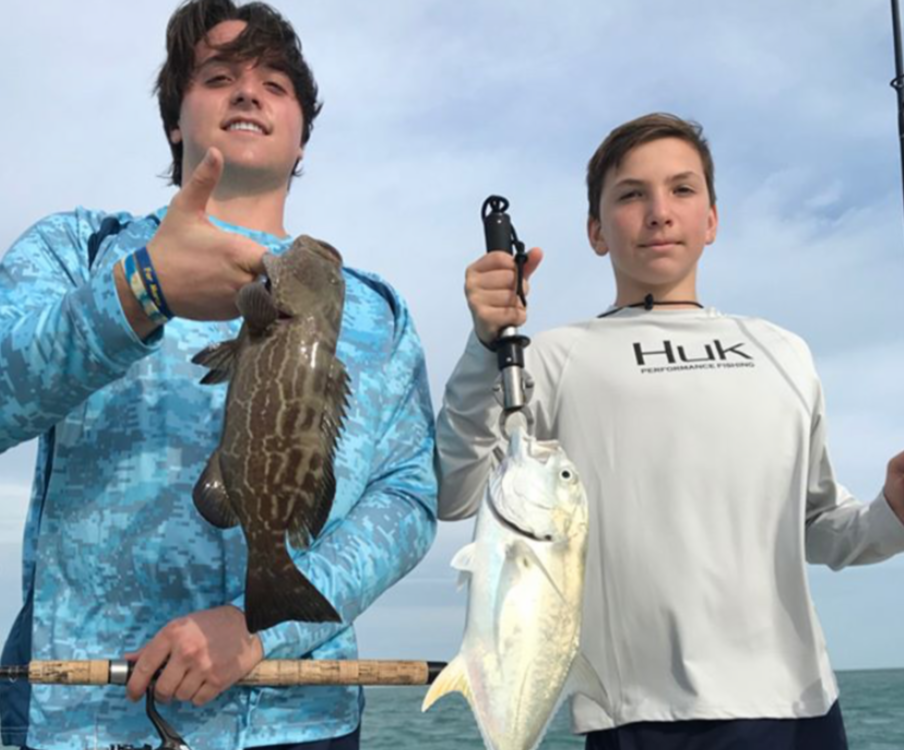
(700, 438)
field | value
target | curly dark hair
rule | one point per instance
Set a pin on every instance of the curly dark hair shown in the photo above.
(642, 130)
(268, 38)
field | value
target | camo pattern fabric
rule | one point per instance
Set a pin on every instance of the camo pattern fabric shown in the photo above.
(114, 548)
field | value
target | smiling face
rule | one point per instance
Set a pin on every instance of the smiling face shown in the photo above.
(247, 110)
(655, 218)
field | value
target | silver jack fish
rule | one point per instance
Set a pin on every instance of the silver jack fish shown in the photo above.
(520, 655)
(273, 469)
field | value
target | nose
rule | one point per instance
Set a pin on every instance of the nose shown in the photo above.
(246, 92)
(659, 211)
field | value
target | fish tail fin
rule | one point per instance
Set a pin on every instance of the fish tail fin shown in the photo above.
(453, 679)
(276, 591)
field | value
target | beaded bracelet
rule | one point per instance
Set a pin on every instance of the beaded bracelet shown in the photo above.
(151, 282)
(133, 279)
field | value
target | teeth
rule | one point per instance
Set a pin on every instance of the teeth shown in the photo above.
(246, 126)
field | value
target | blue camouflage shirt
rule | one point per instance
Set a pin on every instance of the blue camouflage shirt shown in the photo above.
(114, 548)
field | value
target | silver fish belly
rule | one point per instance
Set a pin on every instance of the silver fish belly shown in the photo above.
(272, 472)
(520, 656)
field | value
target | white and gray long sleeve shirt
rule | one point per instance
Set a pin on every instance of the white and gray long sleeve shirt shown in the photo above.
(701, 440)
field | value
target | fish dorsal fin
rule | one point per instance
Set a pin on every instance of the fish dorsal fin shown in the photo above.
(257, 307)
(305, 525)
(521, 554)
(211, 498)
(220, 359)
(463, 562)
(453, 679)
(583, 679)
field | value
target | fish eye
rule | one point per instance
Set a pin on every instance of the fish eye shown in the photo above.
(566, 475)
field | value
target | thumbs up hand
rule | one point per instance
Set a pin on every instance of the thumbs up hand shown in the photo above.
(200, 267)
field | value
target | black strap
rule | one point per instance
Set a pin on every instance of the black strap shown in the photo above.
(648, 304)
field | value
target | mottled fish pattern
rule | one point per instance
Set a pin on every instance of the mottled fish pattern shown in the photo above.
(272, 472)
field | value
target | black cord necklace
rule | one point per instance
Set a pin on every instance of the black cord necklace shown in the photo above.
(647, 304)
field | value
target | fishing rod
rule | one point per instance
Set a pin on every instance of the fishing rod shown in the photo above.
(897, 82)
(271, 673)
(516, 385)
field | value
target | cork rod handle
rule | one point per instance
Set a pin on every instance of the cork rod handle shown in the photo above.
(268, 673)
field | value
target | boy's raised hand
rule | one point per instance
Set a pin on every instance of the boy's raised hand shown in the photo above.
(490, 288)
(894, 485)
(200, 267)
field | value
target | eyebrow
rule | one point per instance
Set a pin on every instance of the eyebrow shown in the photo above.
(219, 59)
(632, 182)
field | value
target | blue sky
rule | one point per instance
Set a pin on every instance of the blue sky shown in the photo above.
(429, 106)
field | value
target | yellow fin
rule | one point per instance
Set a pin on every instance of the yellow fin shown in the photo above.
(451, 680)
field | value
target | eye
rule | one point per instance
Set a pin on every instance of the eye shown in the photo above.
(685, 190)
(565, 475)
(629, 195)
(276, 87)
(217, 80)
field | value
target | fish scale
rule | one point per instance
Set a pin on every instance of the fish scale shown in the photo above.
(272, 472)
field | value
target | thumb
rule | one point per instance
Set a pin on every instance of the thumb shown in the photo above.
(197, 191)
(534, 258)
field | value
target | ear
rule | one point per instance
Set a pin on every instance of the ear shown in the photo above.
(595, 236)
(712, 225)
(175, 135)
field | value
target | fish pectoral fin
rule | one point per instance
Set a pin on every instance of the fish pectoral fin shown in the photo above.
(522, 556)
(464, 558)
(583, 679)
(464, 563)
(257, 307)
(211, 498)
(220, 359)
(453, 679)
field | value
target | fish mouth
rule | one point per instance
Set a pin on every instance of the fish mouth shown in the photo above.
(280, 313)
(512, 526)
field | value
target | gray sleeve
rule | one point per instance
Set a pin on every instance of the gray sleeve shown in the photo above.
(840, 530)
(467, 430)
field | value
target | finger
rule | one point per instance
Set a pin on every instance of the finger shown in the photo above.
(534, 258)
(501, 299)
(499, 320)
(493, 261)
(190, 685)
(251, 258)
(195, 193)
(492, 280)
(896, 464)
(151, 658)
(205, 694)
(169, 680)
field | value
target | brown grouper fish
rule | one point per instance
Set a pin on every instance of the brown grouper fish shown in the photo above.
(273, 469)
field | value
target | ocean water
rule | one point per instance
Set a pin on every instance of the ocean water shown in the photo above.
(872, 703)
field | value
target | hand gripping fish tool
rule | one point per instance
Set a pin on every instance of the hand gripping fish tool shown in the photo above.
(273, 672)
(516, 386)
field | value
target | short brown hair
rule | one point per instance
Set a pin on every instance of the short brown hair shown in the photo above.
(642, 130)
(268, 38)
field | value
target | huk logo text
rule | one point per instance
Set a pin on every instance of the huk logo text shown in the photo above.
(671, 354)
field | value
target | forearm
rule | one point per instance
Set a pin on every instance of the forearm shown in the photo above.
(384, 536)
(467, 430)
(57, 351)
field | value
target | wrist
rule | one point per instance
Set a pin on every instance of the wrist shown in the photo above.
(141, 324)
